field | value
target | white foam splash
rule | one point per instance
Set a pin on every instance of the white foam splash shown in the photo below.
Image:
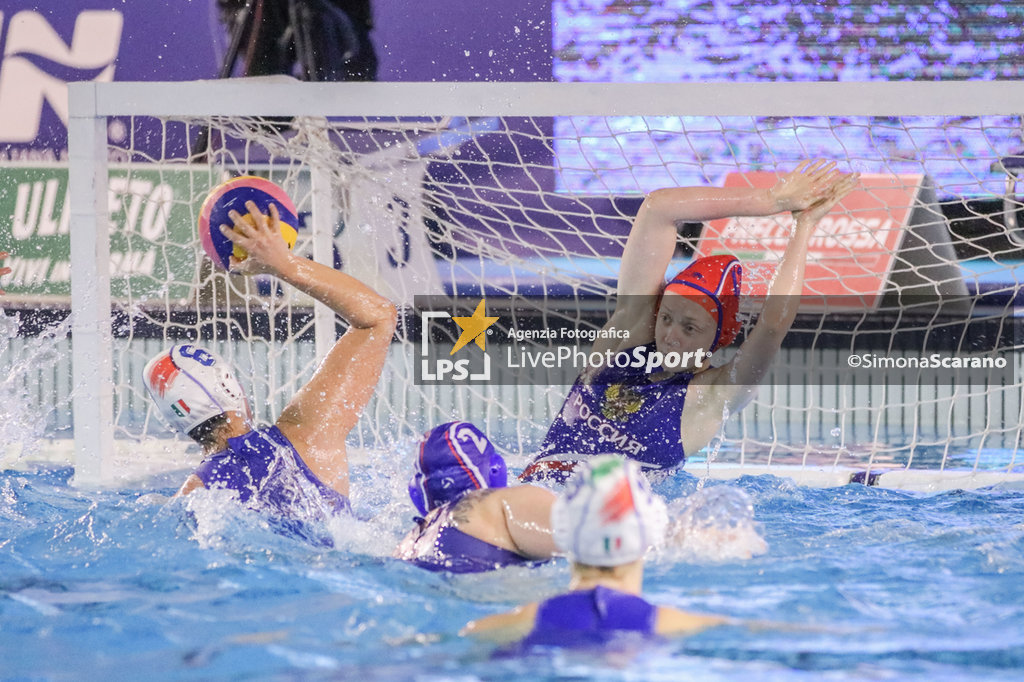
(713, 524)
(22, 428)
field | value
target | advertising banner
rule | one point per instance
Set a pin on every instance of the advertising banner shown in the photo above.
(888, 232)
(153, 243)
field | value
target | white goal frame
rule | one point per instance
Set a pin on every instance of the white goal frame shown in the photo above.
(90, 103)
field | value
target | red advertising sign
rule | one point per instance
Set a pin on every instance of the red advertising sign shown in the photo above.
(851, 255)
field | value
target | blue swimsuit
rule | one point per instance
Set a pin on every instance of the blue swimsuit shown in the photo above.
(619, 411)
(588, 617)
(269, 475)
(440, 546)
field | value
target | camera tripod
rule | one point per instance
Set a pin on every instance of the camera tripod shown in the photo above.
(301, 16)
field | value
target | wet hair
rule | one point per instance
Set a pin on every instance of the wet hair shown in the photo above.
(208, 434)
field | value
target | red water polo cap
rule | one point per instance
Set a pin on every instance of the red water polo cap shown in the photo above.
(714, 283)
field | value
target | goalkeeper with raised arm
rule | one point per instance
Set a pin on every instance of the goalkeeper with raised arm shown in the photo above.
(297, 469)
(657, 417)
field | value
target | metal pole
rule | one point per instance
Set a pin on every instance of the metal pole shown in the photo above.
(92, 369)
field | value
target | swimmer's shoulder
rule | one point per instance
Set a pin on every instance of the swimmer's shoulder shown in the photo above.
(492, 505)
(495, 497)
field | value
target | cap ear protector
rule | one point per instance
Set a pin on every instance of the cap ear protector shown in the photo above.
(454, 459)
(417, 495)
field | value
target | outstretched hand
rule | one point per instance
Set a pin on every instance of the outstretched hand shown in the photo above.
(260, 236)
(840, 187)
(804, 186)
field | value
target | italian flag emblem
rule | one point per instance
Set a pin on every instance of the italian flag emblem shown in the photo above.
(180, 408)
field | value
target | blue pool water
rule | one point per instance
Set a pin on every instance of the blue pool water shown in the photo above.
(856, 583)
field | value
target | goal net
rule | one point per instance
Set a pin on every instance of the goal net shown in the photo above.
(519, 198)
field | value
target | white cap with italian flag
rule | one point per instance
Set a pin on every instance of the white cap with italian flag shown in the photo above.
(608, 515)
(190, 385)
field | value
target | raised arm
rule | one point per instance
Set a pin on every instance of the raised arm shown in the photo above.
(738, 380)
(320, 415)
(652, 239)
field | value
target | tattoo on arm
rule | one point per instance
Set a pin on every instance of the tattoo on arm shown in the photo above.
(462, 508)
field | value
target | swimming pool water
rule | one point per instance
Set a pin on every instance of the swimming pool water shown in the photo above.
(857, 583)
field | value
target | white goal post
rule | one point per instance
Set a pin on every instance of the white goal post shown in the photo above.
(253, 113)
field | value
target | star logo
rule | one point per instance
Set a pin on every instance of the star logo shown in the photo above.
(473, 327)
(436, 363)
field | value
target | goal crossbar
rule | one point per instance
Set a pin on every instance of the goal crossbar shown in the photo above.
(251, 97)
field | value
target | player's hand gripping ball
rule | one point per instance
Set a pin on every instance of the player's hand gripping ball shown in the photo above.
(231, 196)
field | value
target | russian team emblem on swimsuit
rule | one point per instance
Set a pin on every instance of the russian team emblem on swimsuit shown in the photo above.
(620, 402)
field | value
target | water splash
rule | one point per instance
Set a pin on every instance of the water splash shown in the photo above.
(380, 501)
(714, 524)
(22, 428)
(715, 447)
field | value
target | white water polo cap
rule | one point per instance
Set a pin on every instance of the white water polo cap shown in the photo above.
(191, 385)
(608, 515)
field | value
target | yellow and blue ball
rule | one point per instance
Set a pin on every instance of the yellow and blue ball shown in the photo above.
(232, 196)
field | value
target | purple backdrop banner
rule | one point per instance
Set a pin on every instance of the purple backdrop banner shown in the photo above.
(45, 44)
